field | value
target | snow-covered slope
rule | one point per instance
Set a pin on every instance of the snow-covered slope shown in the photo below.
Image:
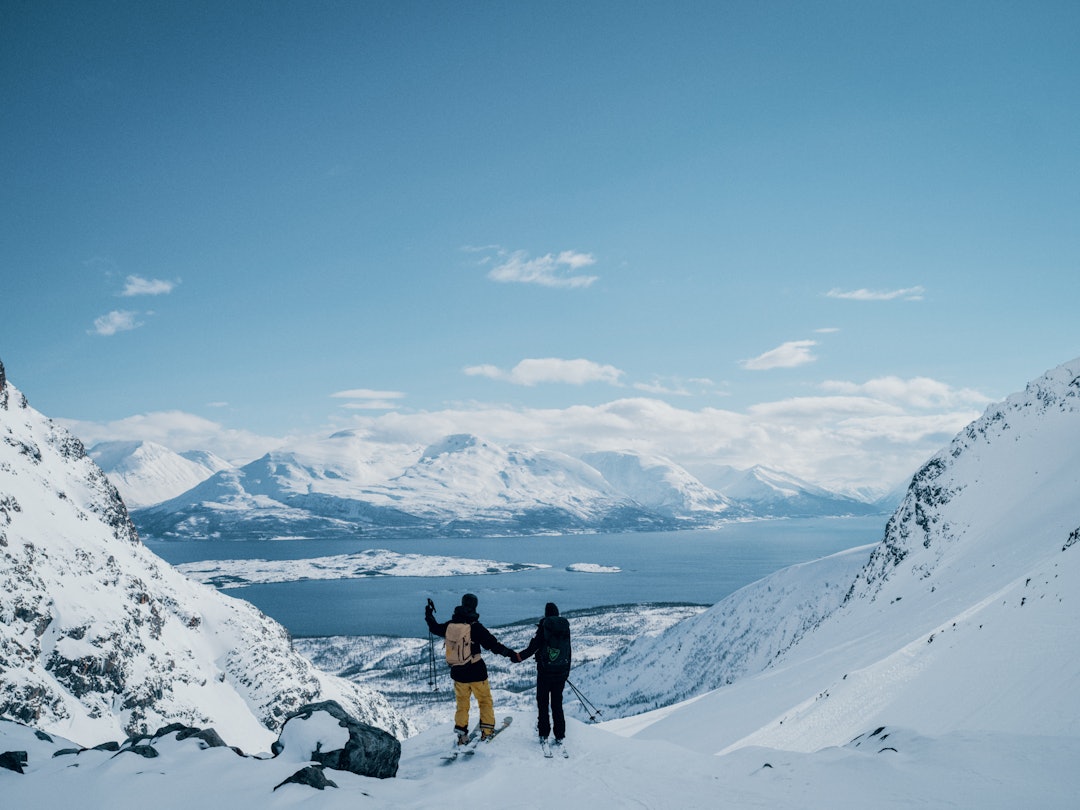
(100, 638)
(147, 473)
(892, 768)
(965, 618)
(771, 493)
(462, 485)
(738, 636)
(935, 669)
(661, 485)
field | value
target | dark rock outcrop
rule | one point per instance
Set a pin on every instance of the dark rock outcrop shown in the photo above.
(209, 737)
(147, 751)
(369, 751)
(13, 760)
(312, 776)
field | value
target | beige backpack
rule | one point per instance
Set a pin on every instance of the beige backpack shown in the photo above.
(459, 644)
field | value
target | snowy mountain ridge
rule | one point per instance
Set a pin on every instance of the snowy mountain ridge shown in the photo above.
(464, 485)
(146, 473)
(774, 493)
(660, 484)
(965, 617)
(100, 638)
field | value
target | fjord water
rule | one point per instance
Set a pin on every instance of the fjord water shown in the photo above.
(699, 566)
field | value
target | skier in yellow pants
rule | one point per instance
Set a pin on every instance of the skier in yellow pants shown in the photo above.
(464, 638)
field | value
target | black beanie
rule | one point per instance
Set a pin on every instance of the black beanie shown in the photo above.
(470, 601)
(551, 609)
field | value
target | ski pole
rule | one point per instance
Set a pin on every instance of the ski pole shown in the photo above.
(433, 681)
(590, 710)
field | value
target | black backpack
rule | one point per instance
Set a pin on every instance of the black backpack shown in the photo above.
(554, 654)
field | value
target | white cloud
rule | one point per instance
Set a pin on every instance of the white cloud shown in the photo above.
(786, 355)
(119, 320)
(179, 431)
(874, 434)
(369, 399)
(371, 405)
(839, 441)
(368, 393)
(486, 370)
(907, 294)
(676, 387)
(137, 285)
(795, 410)
(663, 389)
(534, 371)
(917, 392)
(549, 270)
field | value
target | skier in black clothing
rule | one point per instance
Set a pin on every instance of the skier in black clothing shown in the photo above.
(552, 669)
(470, 675)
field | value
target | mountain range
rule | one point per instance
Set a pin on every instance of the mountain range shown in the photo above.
(101, 639)
(934, 668)
(463, 485)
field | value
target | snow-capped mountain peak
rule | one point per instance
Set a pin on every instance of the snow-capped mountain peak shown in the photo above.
(148, 473)
(768, 492)
(659, 483)
(455, 443)
(460, 485)
(1019, 459)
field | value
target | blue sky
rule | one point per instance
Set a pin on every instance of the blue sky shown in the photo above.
(818, 236)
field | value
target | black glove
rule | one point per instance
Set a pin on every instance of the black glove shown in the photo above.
(429, 609)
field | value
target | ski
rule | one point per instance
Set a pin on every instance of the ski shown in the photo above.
(549, 749)
(460, 748)
(470, 749)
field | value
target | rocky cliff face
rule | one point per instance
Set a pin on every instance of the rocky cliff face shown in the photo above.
(99, 638)
(1020, 457)
(978, 556)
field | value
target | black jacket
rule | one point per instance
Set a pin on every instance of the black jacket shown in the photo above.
(534, 646)
(481, 637)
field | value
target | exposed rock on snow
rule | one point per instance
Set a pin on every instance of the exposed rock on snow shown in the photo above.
(326, 734)
(312, 776)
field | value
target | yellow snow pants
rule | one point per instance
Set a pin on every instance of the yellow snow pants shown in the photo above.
(482, 691)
